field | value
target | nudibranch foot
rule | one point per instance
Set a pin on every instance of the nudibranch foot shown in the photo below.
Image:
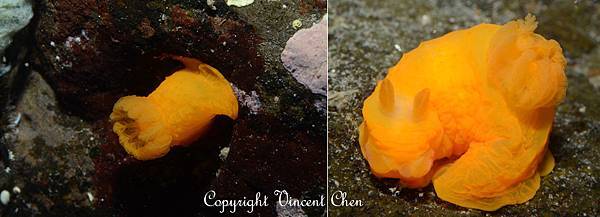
(520, 193)
(547, 164)
(515, 194)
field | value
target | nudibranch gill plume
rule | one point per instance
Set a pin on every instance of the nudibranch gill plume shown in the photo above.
(470, 111)
(176, 113)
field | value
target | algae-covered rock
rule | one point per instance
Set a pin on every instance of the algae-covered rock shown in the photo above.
(14, 15)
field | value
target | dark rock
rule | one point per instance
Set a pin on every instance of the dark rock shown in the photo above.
(48, 156)
(172, 185)
(93, 52)
(15, 38)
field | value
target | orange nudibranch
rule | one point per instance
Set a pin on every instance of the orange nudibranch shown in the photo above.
(470, 111)
(176, 113)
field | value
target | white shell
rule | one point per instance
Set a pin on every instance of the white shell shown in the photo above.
(4, 197)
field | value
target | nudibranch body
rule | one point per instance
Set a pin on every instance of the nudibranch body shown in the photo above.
(176, 113)
(470, 111)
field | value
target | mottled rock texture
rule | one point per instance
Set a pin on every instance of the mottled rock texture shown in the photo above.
(305, 56)
(14, 17)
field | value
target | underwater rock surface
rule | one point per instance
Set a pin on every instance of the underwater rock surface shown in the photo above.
(305, 56)
(367, 38)
(57, 145)
(14, 15)
(93, 52)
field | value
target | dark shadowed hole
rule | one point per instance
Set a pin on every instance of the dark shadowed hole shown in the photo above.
(175, 184)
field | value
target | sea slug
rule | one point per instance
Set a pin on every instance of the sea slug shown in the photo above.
(470, 111)
(176, 113)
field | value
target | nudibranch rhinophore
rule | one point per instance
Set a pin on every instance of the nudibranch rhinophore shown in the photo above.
(176, 113)
(470, 111)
